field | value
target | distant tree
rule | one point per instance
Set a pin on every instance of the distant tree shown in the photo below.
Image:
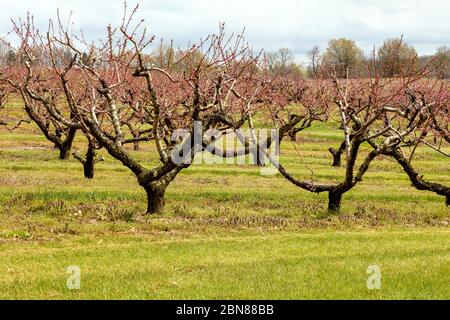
(442, 60)
(87, 58)
(64, 56)
(272, 60)
(11, 58)
(285, 56)
(164, 55)
(3, 51)
(344, 56)
(396, 57)
(314, 60)
(3, 95)
(283, 62)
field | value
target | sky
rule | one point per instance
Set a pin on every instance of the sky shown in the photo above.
(269, 25)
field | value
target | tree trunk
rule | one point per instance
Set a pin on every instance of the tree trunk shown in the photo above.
(88, 164)
(293, 136)
(417, 180)
(64, 152)
(64, 149)
(258, 159)
(155, 200)
(334, 201)
(136, 145)
(336, 157)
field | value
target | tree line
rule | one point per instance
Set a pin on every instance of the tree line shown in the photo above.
(341, 54)
(344, 56)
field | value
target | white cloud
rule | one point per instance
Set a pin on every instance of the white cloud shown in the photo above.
(269, 24)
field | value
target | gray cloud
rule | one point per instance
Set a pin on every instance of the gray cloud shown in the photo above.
(269, 24)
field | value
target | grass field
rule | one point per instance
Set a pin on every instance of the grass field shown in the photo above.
(227, 232)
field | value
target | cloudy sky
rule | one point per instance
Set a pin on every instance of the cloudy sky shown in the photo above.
(296, 24)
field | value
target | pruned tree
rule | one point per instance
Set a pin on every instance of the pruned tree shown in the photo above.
(198, 91)
(364, 111)
(35, 84)
(89, 160)
(300, 100)
(420, 120)
(39, 81)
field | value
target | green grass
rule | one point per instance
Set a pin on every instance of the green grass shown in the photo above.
(310, 265)
(227, 232)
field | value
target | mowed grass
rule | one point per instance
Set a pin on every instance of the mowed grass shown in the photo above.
(323, 264)
(228, 232)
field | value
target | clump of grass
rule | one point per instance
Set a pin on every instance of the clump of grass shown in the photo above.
(104, 212)
(19, 200)
(64, 229)
(15, 234)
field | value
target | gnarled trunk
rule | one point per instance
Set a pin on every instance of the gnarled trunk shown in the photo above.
(417, 180)
(334, 201)
(88, 164)
(88, 161)
(336, 157)
(293, 136)
(64, 152)
(258, 158)
(66, 146)
(136, 145)
(155, 200)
